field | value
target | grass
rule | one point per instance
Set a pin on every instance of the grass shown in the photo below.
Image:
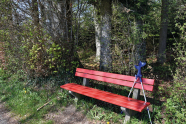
(24, 100)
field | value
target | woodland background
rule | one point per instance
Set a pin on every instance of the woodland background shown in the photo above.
(44, 39)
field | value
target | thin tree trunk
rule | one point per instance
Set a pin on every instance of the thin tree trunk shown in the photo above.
(35, 13)
(69, 19)
(97, 33)
(163, 32)
(71, 43)
(140, 46)
(42, 12)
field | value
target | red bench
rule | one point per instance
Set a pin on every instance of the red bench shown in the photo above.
(123, 101)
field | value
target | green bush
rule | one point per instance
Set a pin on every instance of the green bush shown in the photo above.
(176, 104)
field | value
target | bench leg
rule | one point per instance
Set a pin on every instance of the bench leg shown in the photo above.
(129, 112)
(76, 95)
(85, 82)
(79, 96)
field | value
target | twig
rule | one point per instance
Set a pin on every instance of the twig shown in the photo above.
(43, 105)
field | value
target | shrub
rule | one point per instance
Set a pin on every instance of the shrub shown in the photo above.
(176, 104)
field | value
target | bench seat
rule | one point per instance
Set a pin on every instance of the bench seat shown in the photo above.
(119, 100)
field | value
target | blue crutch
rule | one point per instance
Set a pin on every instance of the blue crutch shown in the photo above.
(139, 75)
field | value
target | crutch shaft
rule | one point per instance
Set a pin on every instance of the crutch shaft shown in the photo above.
(132, 88)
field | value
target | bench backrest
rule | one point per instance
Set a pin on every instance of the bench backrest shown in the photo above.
(115, 78)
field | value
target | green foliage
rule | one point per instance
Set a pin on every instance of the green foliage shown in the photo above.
(128, 34)
(36, 52)
(175, 105)
(96, 114)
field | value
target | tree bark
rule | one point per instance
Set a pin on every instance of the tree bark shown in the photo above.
(42, 12)
(69, 38)
(103, 34)
(35, 13)
(97, 33)
(163, 33)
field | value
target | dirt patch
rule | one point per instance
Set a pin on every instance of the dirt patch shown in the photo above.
(6, 117)
(70, 115)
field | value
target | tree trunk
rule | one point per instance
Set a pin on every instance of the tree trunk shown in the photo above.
(163, 33)
(59, 25)
(104, 35)
(97, 33)
(35, 13)
(73, 56)
(42, 12)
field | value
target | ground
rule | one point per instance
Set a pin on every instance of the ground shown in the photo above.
(6, 117)
(68, 116)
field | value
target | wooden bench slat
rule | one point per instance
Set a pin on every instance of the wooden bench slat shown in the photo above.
(115, 81)
(112, 75)
(119, 100)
